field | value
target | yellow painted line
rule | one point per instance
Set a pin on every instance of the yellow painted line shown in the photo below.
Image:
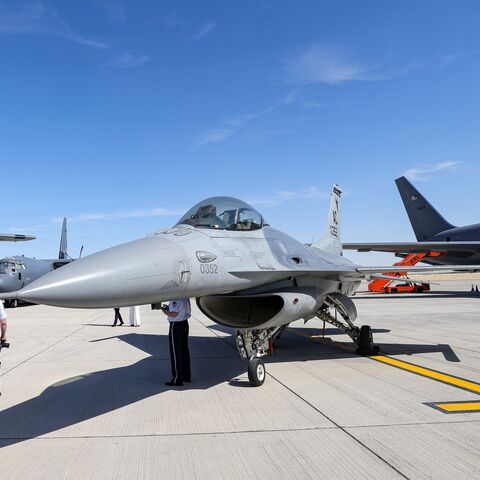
(445, 407)
(426, 372)
(458, 407)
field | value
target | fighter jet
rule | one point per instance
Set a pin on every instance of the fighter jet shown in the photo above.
(18, 271)
(454, 245)
(242, 272)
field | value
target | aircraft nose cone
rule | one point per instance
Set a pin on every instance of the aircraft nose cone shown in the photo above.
(134, 273)
(6, 283)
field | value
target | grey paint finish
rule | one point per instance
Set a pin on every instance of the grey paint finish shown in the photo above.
(242, 272)
(18, 271)
(460, 244)
(165, 265)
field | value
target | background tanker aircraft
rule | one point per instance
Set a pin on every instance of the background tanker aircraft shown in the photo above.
(243, 273)
(455, 245)
(18, 271)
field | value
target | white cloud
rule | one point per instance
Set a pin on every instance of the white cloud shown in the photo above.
(206, 28)
(129, 61)
(327, 64)
(114, 10)
(333, 65)
(291, 96)
(419, 173)
(230, 127)
(34, 18)
(95, 216)
(284, 196)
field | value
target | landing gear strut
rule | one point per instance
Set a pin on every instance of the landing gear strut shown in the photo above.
(254, 345)
(342, 305)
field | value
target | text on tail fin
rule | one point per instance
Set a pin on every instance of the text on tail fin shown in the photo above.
(331, 240)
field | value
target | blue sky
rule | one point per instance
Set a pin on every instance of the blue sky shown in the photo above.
(122, 114)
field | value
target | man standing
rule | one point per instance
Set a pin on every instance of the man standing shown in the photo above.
(178, 313)
(3, 324)
(118, 317)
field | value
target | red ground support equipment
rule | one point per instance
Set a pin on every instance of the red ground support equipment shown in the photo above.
(389, 286)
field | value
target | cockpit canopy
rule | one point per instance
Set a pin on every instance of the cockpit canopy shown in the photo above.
(225, 213)
(10, 265)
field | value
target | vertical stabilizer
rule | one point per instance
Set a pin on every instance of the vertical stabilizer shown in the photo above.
(424, 218)
(62, 252)
(331, 240)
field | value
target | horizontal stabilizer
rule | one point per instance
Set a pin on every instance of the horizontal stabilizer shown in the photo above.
(398, 279)
(417, 269)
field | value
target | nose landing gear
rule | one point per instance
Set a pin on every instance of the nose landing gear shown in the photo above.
(254, 345)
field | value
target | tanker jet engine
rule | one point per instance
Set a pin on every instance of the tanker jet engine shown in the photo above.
(243, 273)
(18, 271)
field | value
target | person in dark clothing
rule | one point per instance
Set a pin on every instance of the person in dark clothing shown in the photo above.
(118, 317)
(178, 313)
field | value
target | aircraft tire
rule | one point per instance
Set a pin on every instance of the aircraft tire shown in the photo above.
(13, 303)
(365, 342)
(256, 372)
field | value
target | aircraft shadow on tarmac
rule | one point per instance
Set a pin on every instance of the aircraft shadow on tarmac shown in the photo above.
(77, 399)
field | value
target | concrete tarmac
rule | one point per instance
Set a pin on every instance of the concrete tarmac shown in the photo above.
(83, 400)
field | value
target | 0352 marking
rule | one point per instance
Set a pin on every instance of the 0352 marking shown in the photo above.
(209, 268)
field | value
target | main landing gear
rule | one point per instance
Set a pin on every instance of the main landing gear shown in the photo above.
(254, 345)
(340, 304)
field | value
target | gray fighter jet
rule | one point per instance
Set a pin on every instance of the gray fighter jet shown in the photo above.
(18, 271)
(456, 245)
(243, 273)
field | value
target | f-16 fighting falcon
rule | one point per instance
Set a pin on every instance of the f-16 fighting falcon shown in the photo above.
(18, 271)
(243, 273)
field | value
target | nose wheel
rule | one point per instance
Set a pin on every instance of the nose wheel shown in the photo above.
(256, 371)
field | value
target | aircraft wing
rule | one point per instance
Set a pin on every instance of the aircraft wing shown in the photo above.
(359, 273)
(15, 237)
(414, 247)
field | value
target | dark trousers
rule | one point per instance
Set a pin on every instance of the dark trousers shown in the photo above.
(118, 317)
(179, 353)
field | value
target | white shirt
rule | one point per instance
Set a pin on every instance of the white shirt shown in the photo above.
(182, 307)
(3, 315)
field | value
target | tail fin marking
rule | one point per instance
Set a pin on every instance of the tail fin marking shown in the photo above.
(331, 239)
